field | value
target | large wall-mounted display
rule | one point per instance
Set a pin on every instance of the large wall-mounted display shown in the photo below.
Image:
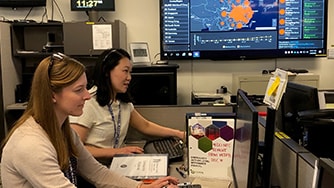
(218, 30)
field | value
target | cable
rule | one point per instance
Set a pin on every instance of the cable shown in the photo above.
(156, 55)
(101, 18)
(61, 14)
(45, 14)
(52, 9)
(28, 13)
(154, 58)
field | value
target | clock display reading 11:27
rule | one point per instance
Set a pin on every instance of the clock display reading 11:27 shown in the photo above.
(98, 5)
(87, 3)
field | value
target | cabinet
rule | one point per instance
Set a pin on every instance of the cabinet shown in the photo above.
(31, 42)
(82, 38)
(36, 39)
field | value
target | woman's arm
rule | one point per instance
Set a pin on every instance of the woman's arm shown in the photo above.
(145, 126)
(103, 152)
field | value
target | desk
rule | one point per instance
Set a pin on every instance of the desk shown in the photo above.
(292, 164)
(204, 182)
(174, 119)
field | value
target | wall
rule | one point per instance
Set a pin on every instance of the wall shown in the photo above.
(142, 19)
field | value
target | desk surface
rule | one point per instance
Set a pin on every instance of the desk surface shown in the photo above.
(204, 182)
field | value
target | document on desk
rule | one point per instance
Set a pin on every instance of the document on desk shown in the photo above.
(141, 166)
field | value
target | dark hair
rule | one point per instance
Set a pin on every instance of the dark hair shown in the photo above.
(107, 61)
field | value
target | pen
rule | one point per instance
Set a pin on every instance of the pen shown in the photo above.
(181, 173)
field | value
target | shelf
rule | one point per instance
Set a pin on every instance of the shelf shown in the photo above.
(31, 54)
(35, 24)
(17, 106)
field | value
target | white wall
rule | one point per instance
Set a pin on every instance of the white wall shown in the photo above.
(142, 20)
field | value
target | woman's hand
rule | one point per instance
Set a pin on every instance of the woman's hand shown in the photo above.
(168, 182)
(129, 150)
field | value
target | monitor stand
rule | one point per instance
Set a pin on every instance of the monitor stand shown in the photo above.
(93, 15)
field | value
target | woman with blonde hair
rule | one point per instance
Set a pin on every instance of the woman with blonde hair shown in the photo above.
(42, 150)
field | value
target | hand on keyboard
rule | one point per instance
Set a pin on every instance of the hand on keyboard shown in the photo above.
(173, 147)
(189, 186)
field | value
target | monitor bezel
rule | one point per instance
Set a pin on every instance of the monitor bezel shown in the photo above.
(269, 135)
(109, 8)
(22, 3)
(254, 142)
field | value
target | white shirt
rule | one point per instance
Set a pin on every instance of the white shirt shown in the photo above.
(99, 120)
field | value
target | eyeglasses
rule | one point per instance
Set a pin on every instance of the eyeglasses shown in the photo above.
(56, 56)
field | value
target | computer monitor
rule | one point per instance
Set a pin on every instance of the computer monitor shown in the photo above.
(92, 8)
(297, 98)
(220, 30)
(22, 3)
(324, 174)
(245, 151)
(86, 5)
(268, 145)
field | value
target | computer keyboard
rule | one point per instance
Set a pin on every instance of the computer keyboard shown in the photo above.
(190, 186)
(172, 146)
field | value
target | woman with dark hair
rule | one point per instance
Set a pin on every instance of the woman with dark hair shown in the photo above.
(42, 150)
(107, 116)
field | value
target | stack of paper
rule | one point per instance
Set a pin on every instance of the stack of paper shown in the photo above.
(141, 166)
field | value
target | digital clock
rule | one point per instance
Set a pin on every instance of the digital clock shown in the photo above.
(86, 5)
(139, 52)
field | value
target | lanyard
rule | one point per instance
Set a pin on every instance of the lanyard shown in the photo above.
(71, 172)
(117, 127)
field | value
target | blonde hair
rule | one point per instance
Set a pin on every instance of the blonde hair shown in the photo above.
(52, 75)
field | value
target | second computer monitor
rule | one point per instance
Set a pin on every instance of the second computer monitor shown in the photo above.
(268, 147)
(297, 97)
(246, 139)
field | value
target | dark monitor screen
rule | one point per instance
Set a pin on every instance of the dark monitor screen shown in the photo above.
(98, 5)
(22, 3)
(161, 89)
(218, 30)
(245, 152)
(297, 97)
(325, 173)
(269, 135)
